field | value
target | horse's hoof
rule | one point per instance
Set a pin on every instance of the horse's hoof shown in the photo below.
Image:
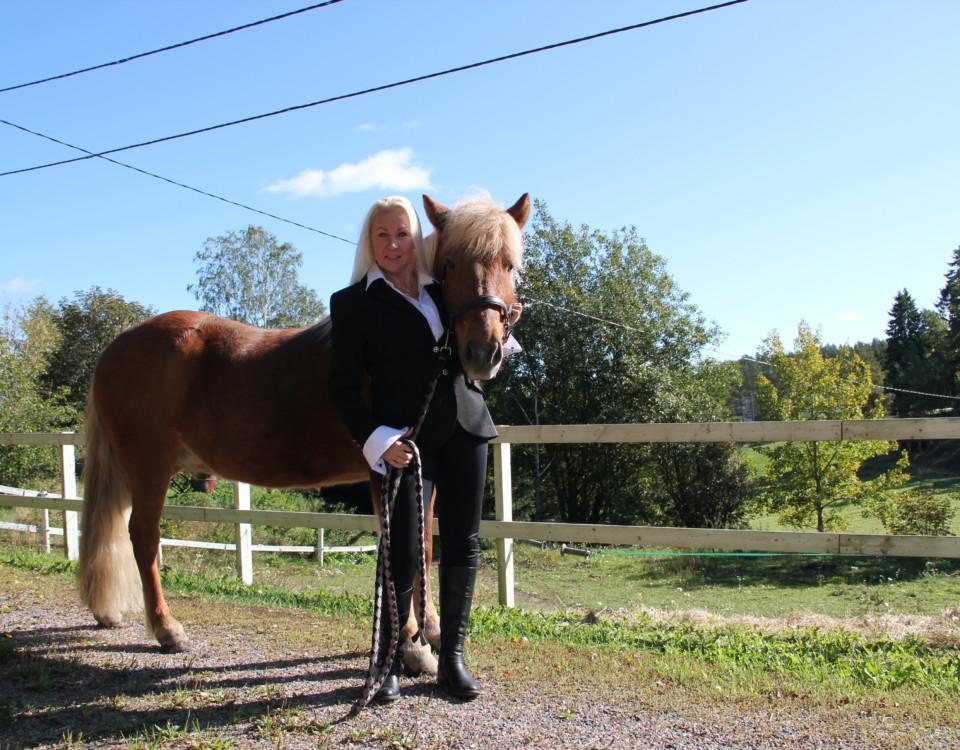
(418, 659)
(432, 634)
(175, 647)
(109, 621)
(173, 640)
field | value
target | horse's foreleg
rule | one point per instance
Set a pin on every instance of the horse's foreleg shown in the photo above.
(417, 656)
(145, 535)
(431, 624)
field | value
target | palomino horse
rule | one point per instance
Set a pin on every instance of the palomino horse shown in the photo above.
(192, 392)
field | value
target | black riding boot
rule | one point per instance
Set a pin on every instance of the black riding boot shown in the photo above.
(390, 690)
(456, 596)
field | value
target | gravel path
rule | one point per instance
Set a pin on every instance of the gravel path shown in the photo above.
(285, 679)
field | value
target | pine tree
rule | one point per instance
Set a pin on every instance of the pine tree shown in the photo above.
(904, 356)
(949, 308)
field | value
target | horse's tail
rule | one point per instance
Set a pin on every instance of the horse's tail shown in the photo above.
(107, 576)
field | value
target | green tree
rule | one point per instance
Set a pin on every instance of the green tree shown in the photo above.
(577, 370)
(249, 276)
(807, 482)
(911, 362)
(948, 305)
(87, 324)
(28, 339)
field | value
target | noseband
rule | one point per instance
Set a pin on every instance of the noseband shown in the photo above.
(486, 300)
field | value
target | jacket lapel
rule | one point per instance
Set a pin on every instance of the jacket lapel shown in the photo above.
(436, 292)
(382, 292)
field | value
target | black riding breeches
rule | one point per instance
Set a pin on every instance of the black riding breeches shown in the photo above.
(458, 468)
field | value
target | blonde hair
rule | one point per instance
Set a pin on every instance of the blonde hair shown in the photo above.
(364, 257)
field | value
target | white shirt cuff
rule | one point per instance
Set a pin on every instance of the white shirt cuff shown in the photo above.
(378, 442)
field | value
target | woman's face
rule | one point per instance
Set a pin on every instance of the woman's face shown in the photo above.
(392, 240)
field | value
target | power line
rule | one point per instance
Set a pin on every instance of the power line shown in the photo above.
(170, 47)
(530, 300)
(383, 87)
(873, 385)
(177, 184)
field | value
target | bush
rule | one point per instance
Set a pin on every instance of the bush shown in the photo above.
(920, 510)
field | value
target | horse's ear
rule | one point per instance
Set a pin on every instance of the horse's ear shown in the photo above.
(520, 211)
(436, 212)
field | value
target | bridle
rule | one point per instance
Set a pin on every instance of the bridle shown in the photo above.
(482, 300)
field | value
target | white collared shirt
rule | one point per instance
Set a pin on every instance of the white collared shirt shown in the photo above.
(424, 303)
(385, 436)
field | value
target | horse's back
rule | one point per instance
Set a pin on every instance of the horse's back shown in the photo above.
(236, 400)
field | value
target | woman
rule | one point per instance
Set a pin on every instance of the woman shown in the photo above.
(387, 326)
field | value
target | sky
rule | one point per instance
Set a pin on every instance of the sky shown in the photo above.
(789, 160)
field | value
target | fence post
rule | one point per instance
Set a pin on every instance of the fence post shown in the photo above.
(68, 485)
(45, 521)
(502, 482)
(244, 536)
(320, 546)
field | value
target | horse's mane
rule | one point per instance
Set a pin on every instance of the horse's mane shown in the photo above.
(481, 231)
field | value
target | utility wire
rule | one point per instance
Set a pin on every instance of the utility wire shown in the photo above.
(383, 87)
(170, 47)
(178, 184)
(531, 301)
(878, 387)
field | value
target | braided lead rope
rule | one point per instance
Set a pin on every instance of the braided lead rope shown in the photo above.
(378, 671)
(389, 484)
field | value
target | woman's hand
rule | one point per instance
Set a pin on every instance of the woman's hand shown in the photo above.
(399, 455)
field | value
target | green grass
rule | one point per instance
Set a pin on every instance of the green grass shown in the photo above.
(812, 654)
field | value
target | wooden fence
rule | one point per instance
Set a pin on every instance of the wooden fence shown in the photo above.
(504, 529)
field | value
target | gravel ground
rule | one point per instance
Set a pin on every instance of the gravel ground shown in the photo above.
(285, 679)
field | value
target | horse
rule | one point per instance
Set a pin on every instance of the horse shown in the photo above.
(196, 393)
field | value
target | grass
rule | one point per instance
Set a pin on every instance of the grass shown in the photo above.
(811, 653)
(832, 678)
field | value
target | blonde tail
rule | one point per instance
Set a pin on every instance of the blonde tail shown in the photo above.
(107, 577)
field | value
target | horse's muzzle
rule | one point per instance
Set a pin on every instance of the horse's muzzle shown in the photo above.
(481, 359)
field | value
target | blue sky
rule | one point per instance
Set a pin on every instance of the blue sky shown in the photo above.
(789, 160)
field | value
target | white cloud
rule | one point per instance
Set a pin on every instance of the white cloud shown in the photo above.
(848, 316)
(392, 169)
(19, 285)
(366, 126)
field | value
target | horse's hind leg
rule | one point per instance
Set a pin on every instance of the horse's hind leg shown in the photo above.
(145, 534)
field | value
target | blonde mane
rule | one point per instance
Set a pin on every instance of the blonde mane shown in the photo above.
(480, 230)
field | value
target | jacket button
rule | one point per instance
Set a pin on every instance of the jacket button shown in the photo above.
(445, 372)
(436, 349)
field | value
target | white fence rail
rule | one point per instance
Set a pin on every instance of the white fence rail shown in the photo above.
(505, 530)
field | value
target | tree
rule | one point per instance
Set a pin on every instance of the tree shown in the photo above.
(806, 482)
(948, 305)
(701, 485)
(249, 276)
(28, 339)
(576, 370)
(911, 362)
(87, 324)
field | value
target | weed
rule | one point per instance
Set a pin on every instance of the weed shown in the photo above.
(71, 740)
(394, 740)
